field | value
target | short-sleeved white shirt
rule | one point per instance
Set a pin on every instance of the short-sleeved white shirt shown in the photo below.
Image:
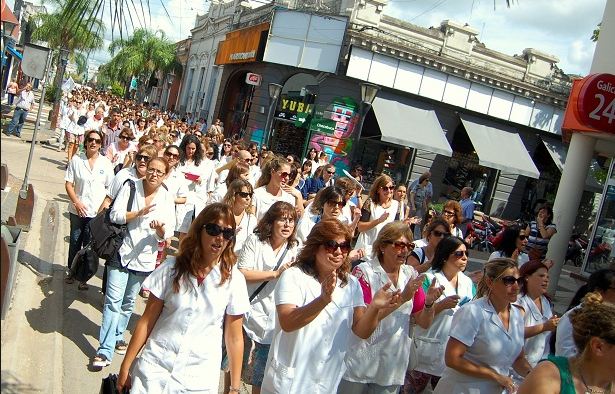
(246, 227)
(311, 359)
(258, 255)
(366, 238)
(90, 184)
(262, 200)
(184, 349)
(536, 348)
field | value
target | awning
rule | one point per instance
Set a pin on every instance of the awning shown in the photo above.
(14, 53)
(559, 151)
(410, 123)
(499, 149)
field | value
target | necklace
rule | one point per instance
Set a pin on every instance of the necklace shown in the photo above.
(589, 389)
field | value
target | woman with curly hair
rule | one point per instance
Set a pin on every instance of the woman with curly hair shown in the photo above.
(592, 370)
(452, 213)
(268, 252)
(191, 297)
(318, 304)
(378, 210)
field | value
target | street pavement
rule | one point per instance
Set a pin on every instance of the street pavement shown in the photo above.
(50, 333)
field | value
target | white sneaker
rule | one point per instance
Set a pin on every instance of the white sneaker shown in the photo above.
(100, 361)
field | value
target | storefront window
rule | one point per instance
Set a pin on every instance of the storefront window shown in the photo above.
(241, 108)
(601, 252)
(379, 158)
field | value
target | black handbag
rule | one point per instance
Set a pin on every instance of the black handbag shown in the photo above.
(106, 237)
(109, 385)
(85, 264)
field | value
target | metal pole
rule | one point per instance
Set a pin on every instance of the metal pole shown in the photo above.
(23, 193)
(365, 107)
(268, 123)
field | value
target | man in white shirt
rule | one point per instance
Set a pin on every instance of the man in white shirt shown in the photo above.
(25, 104)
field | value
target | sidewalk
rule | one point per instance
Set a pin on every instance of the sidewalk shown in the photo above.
(51, 331)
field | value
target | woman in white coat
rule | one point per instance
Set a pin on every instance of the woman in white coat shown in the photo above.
(486, 336)
(192, 295)
(447, 265)
(266, 254)
(379, 362)
(379, 209)
(318, 304)
(239, 198)
(539, 319)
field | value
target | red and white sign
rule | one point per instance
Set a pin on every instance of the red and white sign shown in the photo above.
(596, 102)
(253, 79)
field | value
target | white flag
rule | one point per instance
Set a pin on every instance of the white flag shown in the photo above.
(68, 85)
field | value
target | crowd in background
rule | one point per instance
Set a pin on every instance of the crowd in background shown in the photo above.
(290, 278)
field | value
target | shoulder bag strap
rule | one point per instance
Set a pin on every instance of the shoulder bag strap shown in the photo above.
(132, 194)
(262, 286)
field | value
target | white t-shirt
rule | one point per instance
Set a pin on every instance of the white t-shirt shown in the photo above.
(366, 238)
(262, 200)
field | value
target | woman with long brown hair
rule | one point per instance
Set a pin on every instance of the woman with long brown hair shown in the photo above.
(318, 304)
(198, 291)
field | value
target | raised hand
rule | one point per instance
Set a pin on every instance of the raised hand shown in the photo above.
(411, 287)
(434, 292)
(384, 298)
(328, 286)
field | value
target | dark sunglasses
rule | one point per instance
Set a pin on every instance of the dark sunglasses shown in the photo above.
(284, 174)
(172, 155)
(523, 237)
(401, 245)
(214, 230)
(340, 204)
(449, 213)
(439, 233)
(142, 157)
(331, 246)
(244, 194)
(125, 137)
(209, 153)
(94, 140)
(391, 188)
(331, 172)
(459, 253)
(511, 280)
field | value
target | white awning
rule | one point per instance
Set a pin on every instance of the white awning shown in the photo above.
(499, 149)
(559, 151)
(410, 123)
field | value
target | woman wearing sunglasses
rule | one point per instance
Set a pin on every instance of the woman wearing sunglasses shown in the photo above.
(512, 245)
(196, 292)
(150, 220)
(447, 265)
(487, 336)
(540, 321)
(379, 209)
(327, 204)
(318, 305)
(269, 188)
(420, 258)
(239, 198)
(117, 151)
(87, 178)
(239, 170)
(268, 252)
(378, 364)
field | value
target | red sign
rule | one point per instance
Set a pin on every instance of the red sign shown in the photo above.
(596, 102)
(253, 79)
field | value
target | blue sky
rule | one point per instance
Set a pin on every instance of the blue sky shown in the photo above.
(559, 27)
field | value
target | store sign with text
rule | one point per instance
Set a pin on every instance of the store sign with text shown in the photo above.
(596, 102)
(253, 79)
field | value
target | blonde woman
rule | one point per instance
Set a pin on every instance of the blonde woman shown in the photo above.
(239, 198)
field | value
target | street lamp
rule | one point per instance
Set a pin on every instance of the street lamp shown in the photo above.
(7, 30)
(368, 94)
(274, 93)
(59, 80)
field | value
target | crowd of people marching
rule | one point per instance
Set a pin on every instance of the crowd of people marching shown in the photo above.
(289, 279)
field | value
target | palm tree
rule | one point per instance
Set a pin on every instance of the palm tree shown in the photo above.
(142, 54)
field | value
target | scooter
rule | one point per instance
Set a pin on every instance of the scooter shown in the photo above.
(577, 245)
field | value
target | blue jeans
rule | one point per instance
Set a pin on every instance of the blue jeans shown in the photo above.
(123, 285)
(19, 117)
(79, 236)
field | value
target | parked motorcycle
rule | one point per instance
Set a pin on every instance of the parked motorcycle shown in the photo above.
(577, 245)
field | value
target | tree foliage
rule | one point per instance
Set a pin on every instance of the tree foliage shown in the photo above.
(596, 33)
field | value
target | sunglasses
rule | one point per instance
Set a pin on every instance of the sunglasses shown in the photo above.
(448, 213)
(209, 153)
(214, 230)
(125, 137)
(439, 233)
(172, 155)
(459, 253)
(340, 204)
(523, 237)
(248, 161)
(401, 245)
(284, 174)
(331, 246)
(226, 145)
(385, 188)
(331, 172)
(511, 280)
(142, 157)
(244, 194)
(94, 140)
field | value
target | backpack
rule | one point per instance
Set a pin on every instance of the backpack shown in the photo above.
(107, 237)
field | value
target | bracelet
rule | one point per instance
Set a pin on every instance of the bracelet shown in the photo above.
(429, 306)
(231, 388)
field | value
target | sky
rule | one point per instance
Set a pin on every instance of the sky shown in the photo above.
(559, 27)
